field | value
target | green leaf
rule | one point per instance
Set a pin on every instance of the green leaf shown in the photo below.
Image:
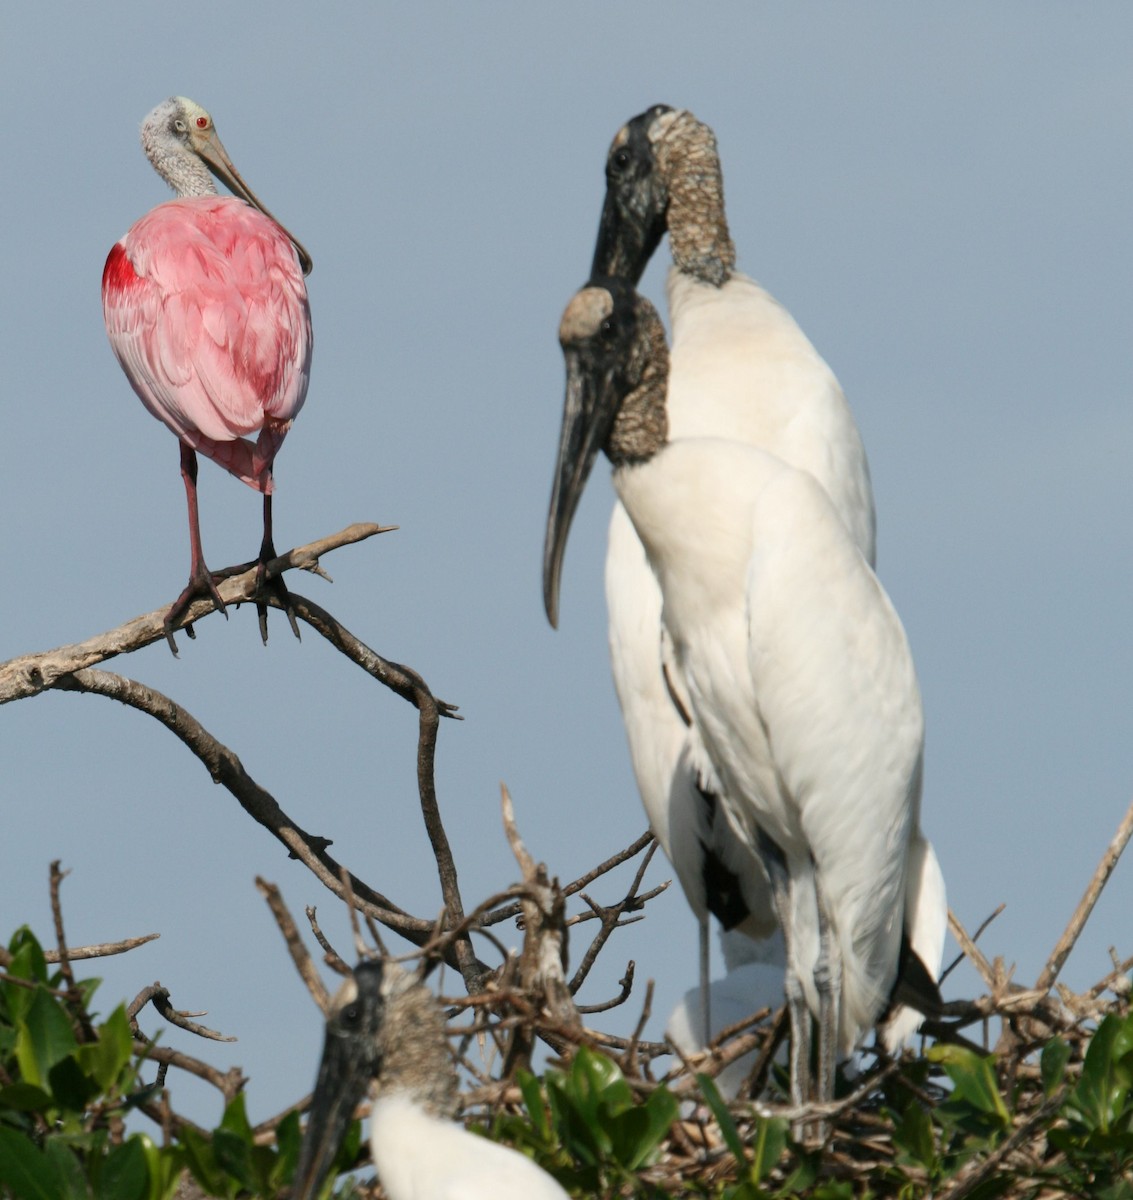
(235, 1118)
(1052, 1064)
(973, 1080)
(201, 1161)
(68, 1168)
(233, 1155)
(535, 1104)
(124, 1175)
(767, 1146)
(26, 1171)
(44, 1038)
(912, 1135)
(1103, 1089)
(637, 1131)
(724, 1119)
(28, 961)
(105, 1058)
(71, 1088)
(24, 1097)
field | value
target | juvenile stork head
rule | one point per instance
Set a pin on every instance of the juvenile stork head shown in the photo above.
(384, 1027)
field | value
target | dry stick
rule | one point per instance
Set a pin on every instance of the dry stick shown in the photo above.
(411, 686)
(158, 996)
(571, 889)
(227, 769)
(975, 937)
(102, 949)
(295, 947)
(31, 674)
(1086, 905)
(331, 956)
(228, 1083)
(611, 918)
(971, 949)
(74, 996)
(972, 1177)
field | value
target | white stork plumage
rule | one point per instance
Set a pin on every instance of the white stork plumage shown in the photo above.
(799, 679)
(386, 1027)
(741, 369)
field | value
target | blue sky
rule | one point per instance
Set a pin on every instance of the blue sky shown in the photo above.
(941, 197)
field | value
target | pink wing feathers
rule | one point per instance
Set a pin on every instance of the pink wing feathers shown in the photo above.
(206, 310)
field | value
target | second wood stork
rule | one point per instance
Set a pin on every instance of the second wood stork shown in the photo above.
(386, 1027)
(206, 310)
(741, 369)
(799, 677)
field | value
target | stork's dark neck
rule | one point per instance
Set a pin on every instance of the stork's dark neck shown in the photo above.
(698, 228)
(641, 426)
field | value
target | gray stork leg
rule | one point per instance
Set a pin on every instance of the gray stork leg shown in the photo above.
(705, 981)
(828, 983)
(780, 880)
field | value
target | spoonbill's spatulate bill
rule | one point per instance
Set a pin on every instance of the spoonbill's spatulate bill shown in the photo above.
(206, 310)
(799, 678)
(386, 1027)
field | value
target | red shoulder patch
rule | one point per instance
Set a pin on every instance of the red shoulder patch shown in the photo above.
(118, 275)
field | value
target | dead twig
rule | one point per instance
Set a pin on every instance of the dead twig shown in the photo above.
(1065, 944)
(31, 674)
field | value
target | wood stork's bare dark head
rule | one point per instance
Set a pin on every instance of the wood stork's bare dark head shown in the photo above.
(663, 173)
(617, 366)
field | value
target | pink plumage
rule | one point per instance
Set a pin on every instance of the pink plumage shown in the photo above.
(206, 310)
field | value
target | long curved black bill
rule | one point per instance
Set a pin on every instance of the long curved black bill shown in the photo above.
(588, 413)
(344, 1074)
(626, 241)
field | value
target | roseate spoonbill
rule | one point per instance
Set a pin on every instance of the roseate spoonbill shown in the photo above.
(799, 678)
(385, 1025)
(206, 310)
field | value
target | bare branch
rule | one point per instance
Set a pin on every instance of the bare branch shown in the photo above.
(158, 996)
(226, 768)
(1081, 915)
(102, 949)
(31, 674)
(295, 947)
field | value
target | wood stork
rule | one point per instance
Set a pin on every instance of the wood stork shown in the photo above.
(740, 369)
(385, 1026)
(753, 980)
(206, 310)
(799, 677)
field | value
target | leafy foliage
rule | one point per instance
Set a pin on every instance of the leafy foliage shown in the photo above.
(1057, 1122)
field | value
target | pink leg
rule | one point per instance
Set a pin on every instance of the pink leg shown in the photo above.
(201, 582)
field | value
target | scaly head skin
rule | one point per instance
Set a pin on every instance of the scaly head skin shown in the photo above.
(663, 172)
(617, 367)
(385, 1026)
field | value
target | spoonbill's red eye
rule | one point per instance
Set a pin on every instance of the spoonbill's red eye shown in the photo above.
(202, 122)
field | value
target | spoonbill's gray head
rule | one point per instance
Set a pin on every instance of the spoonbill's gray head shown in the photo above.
(180, 140)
